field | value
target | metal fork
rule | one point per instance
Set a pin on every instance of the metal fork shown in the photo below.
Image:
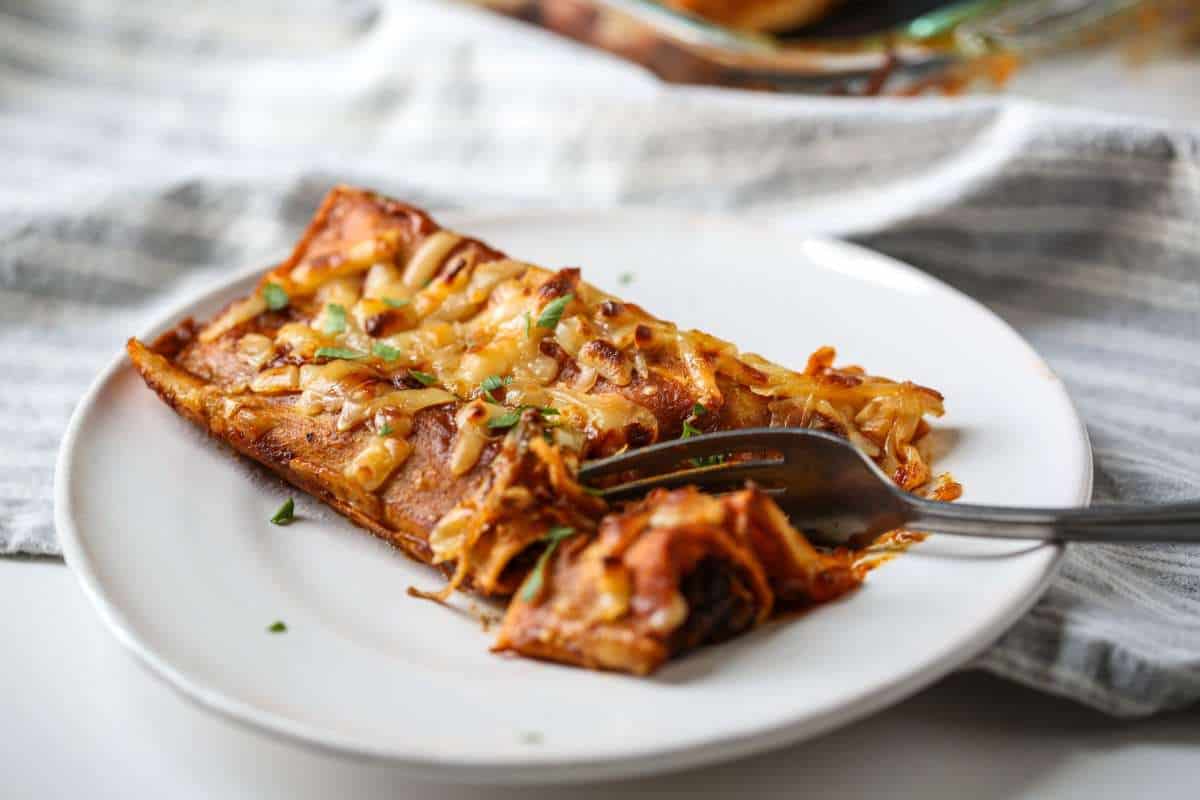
(837, 495)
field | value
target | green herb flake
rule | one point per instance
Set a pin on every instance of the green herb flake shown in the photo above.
(385, 352)
(553, 311)
(506, 420)
(277, 627)
(335, 318)
(394, 302)
(339, 352)
(528, 324)
(533, 584)
(423, 378)
(286, 513)
(386, 430)
(690, 430)
(625, 278)
(491, 383)
(275, 296)
(698, 410)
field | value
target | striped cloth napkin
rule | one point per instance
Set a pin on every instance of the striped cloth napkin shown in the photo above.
(150, 148)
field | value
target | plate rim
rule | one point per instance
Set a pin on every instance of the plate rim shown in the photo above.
(530, 769)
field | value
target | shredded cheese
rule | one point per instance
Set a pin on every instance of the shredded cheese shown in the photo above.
(428, 258)
(280, 380)
(255, 349)
(377, 461)
(471, 436)
(479, 320)
(237, 313)
(383, 280)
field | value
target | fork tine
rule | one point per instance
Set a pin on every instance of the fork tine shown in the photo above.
(665, 456)
(767, 473)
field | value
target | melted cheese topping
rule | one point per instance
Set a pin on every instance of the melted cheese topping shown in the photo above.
(255, 349)
(472, 420)
(383, 280)
(406, 403)
(428, 258)
(237, 313)
(448, 536)
(443, 312)
(300, 340)
(325, 387)
(279, 380)
(378, 460)
(703, 376)
(308, 276)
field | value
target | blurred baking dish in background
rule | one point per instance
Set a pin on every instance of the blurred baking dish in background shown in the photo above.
(858, 47)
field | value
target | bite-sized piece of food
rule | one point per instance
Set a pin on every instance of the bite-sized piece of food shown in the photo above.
(679, 570)
(531, 490)
(442, 395)
(756, 15)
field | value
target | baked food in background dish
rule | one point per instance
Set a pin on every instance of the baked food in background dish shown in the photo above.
(756, 15)
(442, 395)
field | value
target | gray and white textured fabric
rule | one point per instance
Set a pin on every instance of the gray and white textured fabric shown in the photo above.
(146, 149)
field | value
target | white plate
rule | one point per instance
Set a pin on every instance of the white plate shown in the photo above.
(169, 536)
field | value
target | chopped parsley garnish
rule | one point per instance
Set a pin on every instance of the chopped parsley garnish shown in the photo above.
(424, 378)
(386, 430)
(277, 627)
(625, 278)
(690, 430)
(528, 324)
(493, 382)
(385, 352)
(393, 302)
(510, 418)
(339, 352)
(286, 513)
(275, 296)
(335, 318)
(490, 384)
(553, 311)
(533, 584)
(506, 420)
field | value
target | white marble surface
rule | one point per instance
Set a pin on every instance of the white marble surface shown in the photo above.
(79, 718)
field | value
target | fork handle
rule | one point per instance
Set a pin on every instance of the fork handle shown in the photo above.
(1127, 524)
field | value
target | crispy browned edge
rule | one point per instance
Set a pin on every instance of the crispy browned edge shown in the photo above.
(155, 360)
(149, 363)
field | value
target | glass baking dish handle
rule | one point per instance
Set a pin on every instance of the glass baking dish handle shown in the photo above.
(1037, 26)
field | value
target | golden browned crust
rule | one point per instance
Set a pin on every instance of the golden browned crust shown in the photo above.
(268, 434)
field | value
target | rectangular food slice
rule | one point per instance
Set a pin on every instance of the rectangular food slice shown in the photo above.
(442, 395)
